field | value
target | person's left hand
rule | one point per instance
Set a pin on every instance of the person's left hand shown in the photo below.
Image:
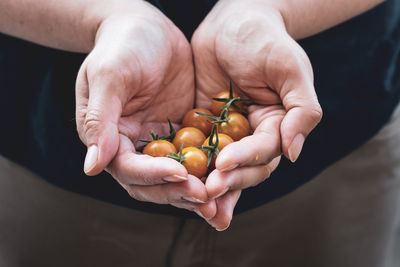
(246, 42)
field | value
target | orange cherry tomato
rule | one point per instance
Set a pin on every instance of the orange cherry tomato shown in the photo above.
(216, 106)
(195, 161)
(159, 148)
(188, 136)
(223, 141)
(202, 123)
(236, 127)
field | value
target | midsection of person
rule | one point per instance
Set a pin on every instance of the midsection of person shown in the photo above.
(339, 61)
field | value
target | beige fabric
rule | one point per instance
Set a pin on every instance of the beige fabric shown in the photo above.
(42, 225)
(347, 216)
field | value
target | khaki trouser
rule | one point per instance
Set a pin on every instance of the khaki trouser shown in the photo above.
(348, 216)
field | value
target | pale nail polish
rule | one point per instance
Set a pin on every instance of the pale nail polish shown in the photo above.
(222, 193)
(222, 229)
(91, 158)
(229, 168)
(295, 148)
(175, 178)
(194, 200)
(200, 214)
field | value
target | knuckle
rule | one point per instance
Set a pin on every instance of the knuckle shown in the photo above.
(140, 177)
(170, 199)
(117, 73)
(93, 116)
(316, 113)
(145, 179)
(135, 194)
(267, 172)
(80, 128)
(92, 121)
(242, 182)
(113, 171)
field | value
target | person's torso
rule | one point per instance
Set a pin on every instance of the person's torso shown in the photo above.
(356, 66)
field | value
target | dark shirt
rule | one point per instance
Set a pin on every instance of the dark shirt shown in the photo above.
(356, 66)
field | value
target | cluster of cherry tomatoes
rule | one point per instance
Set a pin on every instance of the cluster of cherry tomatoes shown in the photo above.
(204, 134)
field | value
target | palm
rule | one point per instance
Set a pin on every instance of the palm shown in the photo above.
(162, 99)
(139, 73)
(211, 79)
(153, 74)
(255, 74)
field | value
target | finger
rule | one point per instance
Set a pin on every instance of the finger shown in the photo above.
(130, 168)
(98, 111)
(206, 211)
(259, 148)
(192, 190)
(299, 99)
(303, 114)
(225, 206)
(287, 70)
(219, 182)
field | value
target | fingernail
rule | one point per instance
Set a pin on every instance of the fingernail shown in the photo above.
(222, 193)
(194, 200)
(200, 214)
(175, 178)
(295, 147)
(91, 158)
(222, 229)
(229, 168)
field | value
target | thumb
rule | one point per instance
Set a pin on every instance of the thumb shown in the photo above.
(303, 114)
(299, 98)
(98, 111)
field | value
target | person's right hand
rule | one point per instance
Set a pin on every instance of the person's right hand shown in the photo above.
(139, 73)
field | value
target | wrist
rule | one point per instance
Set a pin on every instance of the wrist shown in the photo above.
(110, 16)
(135, 18)
(63, 24)
(306, 18)
(239, 14)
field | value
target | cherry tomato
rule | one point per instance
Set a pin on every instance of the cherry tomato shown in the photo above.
(192, 119)
(159, 148)
(216, 106)
(188, 136)
(195, 161)
(223, 141)
(236, 127)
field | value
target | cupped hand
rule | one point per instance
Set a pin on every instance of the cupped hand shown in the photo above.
(246, 42)
(139, 73)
